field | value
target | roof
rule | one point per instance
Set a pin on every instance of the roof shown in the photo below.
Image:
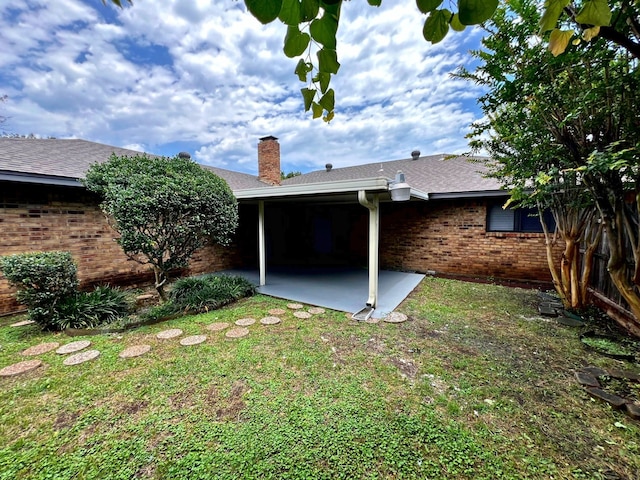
(63, 162)
(438, 175)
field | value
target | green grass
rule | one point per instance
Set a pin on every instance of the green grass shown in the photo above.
(475, 385)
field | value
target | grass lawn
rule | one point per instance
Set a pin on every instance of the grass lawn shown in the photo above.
(475, 385)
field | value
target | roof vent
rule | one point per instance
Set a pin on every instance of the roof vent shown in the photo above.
(328, 166)
(415, 154)
(186, 155)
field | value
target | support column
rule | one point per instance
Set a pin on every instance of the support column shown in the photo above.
(262, 257)
(374, 241)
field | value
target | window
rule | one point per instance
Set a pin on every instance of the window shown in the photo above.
(516, 219)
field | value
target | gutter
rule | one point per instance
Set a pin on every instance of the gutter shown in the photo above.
(22, 177)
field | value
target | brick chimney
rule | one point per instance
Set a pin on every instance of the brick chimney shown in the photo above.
(269, 160)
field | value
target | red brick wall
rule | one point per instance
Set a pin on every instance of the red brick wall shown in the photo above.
(45, 218)
(450, 237)
(269, 160)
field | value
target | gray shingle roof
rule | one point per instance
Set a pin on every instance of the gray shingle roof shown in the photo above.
(70, 159)
(434, 174)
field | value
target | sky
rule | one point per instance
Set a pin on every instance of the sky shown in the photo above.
(204, 76)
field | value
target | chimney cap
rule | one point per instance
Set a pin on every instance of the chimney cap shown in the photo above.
(184, 155)
(268, 137)
(328, 166)
(415, 154)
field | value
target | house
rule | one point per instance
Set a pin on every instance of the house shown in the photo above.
(452, 224)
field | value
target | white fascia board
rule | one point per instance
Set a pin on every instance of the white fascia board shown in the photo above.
(419, 194)
(341, 186)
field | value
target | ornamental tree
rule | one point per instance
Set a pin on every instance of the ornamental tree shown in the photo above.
(164, 209)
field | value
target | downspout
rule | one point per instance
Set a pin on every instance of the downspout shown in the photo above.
(374, 222)
(261, 245)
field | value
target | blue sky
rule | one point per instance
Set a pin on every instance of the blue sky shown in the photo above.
(205, 77)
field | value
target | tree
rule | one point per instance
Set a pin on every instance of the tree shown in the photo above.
(557, 125)
(312, 27)
(163, 208)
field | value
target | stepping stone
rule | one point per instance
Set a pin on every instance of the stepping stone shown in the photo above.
(81, 357)
(193, 340)
(633, 409)
(613, 400)
(42, 348)
(22, 323)
(587, 379)
(277, 311)
(315, 310)
(134, 351)
(172, 333)
(270, 321)
(21, 367)
(73, 347)
(295, 306)
(237, 332)
(302, 314)
(216, 327)
(395, 317)
(245, 322)
(595, 371)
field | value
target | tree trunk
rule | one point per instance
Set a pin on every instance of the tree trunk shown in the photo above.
(161, 279)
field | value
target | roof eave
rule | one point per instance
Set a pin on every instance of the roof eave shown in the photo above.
(468, 194)
(22, 177)
(307, 189)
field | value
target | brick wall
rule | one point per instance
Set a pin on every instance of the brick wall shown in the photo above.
(44, 218)
(269, 160)
(449, 237)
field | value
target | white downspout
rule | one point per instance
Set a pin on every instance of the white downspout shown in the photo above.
(374, 222)
(262, 257)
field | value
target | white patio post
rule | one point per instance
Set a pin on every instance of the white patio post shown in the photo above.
(262, 258)
(374, 236)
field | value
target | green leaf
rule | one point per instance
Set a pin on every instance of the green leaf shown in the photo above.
(436, 26)
(375, 3)
(302, 70)
(295, 42)
(473, 12)
(308, 94)
(310, 9)
(455, 23)
(317, 110)
(266, 11)
(323, 30)
(329, 116)
(328, 61)
(323, 79)
(291, 12)
(559, 40)
(595, 12)
(426, 6)
(552, 11)
(328, 100)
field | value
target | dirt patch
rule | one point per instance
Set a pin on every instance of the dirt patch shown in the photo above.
(228, 408)
(407, 368)
(65, 420)
(148, 471)
(183, 399)
(132, 408)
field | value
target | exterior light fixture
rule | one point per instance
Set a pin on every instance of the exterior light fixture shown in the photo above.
(399, 189)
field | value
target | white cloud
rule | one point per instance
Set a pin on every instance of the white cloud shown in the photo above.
(207, 77)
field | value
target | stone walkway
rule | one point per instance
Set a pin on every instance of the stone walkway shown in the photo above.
(238, 330)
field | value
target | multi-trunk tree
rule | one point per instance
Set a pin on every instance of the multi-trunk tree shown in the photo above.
(164, 209)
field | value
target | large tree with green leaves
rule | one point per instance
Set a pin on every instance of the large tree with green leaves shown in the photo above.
(163, 208)
(312, 29)
(560, 125)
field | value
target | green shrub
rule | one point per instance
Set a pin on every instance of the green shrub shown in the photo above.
(43, 280)
(92, 309)
(199, 294)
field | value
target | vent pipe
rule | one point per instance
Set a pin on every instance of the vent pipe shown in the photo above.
(415, 154)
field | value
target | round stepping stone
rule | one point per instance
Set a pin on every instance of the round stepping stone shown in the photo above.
(73, 347)
(302, 314)
(21, 367)
(395, 317)
(42, 348)
(81, 357)
(216, 327)
(315, 310)
(193, 340)
(237, 332)
(270, 321)
(295, 306)
(372, 320)
(22, 323)
(245, 322)
(173, 333)
(134, 351)
(277, 311)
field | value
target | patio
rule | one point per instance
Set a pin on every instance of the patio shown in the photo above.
(342, 289)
